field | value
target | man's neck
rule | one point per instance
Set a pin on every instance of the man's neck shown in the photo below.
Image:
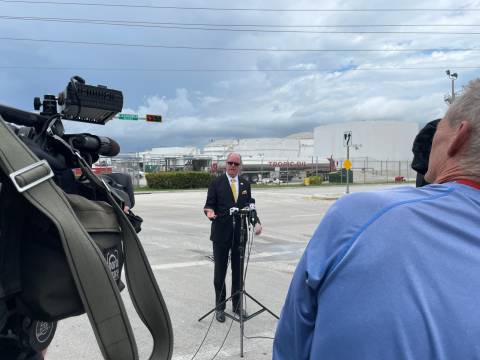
(458, 177)
(453, 171)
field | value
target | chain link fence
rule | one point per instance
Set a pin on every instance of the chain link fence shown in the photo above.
(137, 166)
(365, 171)
(368, 171)
(132, 166)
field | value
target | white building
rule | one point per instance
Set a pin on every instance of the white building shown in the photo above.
(375, 140)
(380, 149)
(296, 147)
(174, 151)
(171, 158)
(281, 158)
(219, 149)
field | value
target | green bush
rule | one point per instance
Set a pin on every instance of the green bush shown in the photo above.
(316, 180)
(178, 180)
(340, 177)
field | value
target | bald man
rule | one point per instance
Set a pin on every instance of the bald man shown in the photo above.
(393, 274)
(225, 192)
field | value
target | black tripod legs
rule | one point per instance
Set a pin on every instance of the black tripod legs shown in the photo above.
(263, 307)
(215, 308)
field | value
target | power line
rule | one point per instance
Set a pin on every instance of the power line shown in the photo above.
(145, 6)
(218, 70)
(178, 47)
(210, 27)
(7, 17)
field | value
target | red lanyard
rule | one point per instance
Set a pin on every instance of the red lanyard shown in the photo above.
(473, 184)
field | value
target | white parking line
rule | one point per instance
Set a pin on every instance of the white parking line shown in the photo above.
(181, 265)
(207, 262)
(305, 215)
(229, 352)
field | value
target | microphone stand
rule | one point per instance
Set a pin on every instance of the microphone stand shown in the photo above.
(242, 292)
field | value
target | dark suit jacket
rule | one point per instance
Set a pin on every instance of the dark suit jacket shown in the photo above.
(220, 199)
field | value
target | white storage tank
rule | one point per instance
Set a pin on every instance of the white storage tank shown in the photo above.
(380, 140)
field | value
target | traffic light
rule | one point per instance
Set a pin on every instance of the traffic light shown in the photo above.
(153, 118)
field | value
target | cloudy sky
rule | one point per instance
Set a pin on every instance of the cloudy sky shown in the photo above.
(215, 69)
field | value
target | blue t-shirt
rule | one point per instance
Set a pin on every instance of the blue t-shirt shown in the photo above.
(393, 274)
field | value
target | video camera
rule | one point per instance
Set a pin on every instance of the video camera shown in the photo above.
(21, 335)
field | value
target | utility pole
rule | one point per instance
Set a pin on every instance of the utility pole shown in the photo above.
(348, 169)
(347, 142)
(453, 77)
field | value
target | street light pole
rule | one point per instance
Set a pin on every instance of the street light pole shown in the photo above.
(348, 170)
(453, 77)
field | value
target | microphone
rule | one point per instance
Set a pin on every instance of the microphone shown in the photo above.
(245, 210)
(92, 143)
(253, 212)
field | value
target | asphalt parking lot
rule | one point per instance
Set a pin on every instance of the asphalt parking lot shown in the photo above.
(176, 239)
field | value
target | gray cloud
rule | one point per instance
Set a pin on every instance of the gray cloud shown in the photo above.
(199, 106)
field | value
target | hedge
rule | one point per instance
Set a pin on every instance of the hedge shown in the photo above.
(178, 180)
(340, 177)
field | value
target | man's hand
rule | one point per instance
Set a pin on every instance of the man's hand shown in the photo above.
(258, 229)
(210, 213)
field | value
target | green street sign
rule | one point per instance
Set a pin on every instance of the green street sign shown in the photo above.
(128, 116)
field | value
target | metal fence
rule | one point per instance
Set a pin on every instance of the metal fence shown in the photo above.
(132, 166)
(365, 170)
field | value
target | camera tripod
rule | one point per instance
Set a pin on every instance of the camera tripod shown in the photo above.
(241, 319)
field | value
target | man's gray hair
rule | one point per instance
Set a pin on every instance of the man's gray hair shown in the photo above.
(467, 108)
(235, 153)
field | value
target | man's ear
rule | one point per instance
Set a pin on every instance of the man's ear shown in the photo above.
(461, 137)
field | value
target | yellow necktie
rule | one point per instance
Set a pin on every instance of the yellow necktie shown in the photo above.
(234, 189)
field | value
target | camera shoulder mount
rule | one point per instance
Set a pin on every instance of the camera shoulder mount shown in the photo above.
(99, 294)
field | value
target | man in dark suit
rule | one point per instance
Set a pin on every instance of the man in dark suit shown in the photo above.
(224, 192)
